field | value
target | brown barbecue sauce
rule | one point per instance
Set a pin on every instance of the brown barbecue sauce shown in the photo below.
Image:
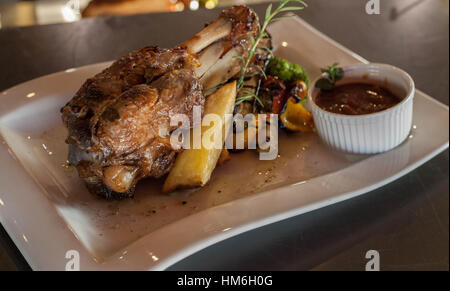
(356, 99)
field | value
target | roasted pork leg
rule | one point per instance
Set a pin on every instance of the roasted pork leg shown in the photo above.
(119, 120)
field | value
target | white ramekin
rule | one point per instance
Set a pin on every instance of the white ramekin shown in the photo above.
(368, 133)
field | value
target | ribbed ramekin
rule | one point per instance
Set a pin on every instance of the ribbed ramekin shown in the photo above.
(368, 133)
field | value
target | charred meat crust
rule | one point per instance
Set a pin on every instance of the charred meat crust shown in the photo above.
(82, 112)
(116, 117)
(243, 19)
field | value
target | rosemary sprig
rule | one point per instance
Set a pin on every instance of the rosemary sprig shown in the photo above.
(270, 16)
(249, 95)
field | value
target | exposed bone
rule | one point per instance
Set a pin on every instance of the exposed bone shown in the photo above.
(208, 57)
(213, 32)
(231, 34)
(223, 69)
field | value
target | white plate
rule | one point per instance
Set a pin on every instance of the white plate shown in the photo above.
(47, 211)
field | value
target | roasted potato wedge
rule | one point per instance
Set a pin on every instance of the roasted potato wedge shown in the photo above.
(193, 167)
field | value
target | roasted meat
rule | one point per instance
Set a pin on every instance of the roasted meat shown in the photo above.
(119, 120)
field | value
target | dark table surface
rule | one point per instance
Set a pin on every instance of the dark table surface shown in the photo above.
(407, 221)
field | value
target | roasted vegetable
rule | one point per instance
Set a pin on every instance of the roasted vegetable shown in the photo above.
(299, 90)
(286, 71)
(296, 117)
(245, 100)
(276, 90)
